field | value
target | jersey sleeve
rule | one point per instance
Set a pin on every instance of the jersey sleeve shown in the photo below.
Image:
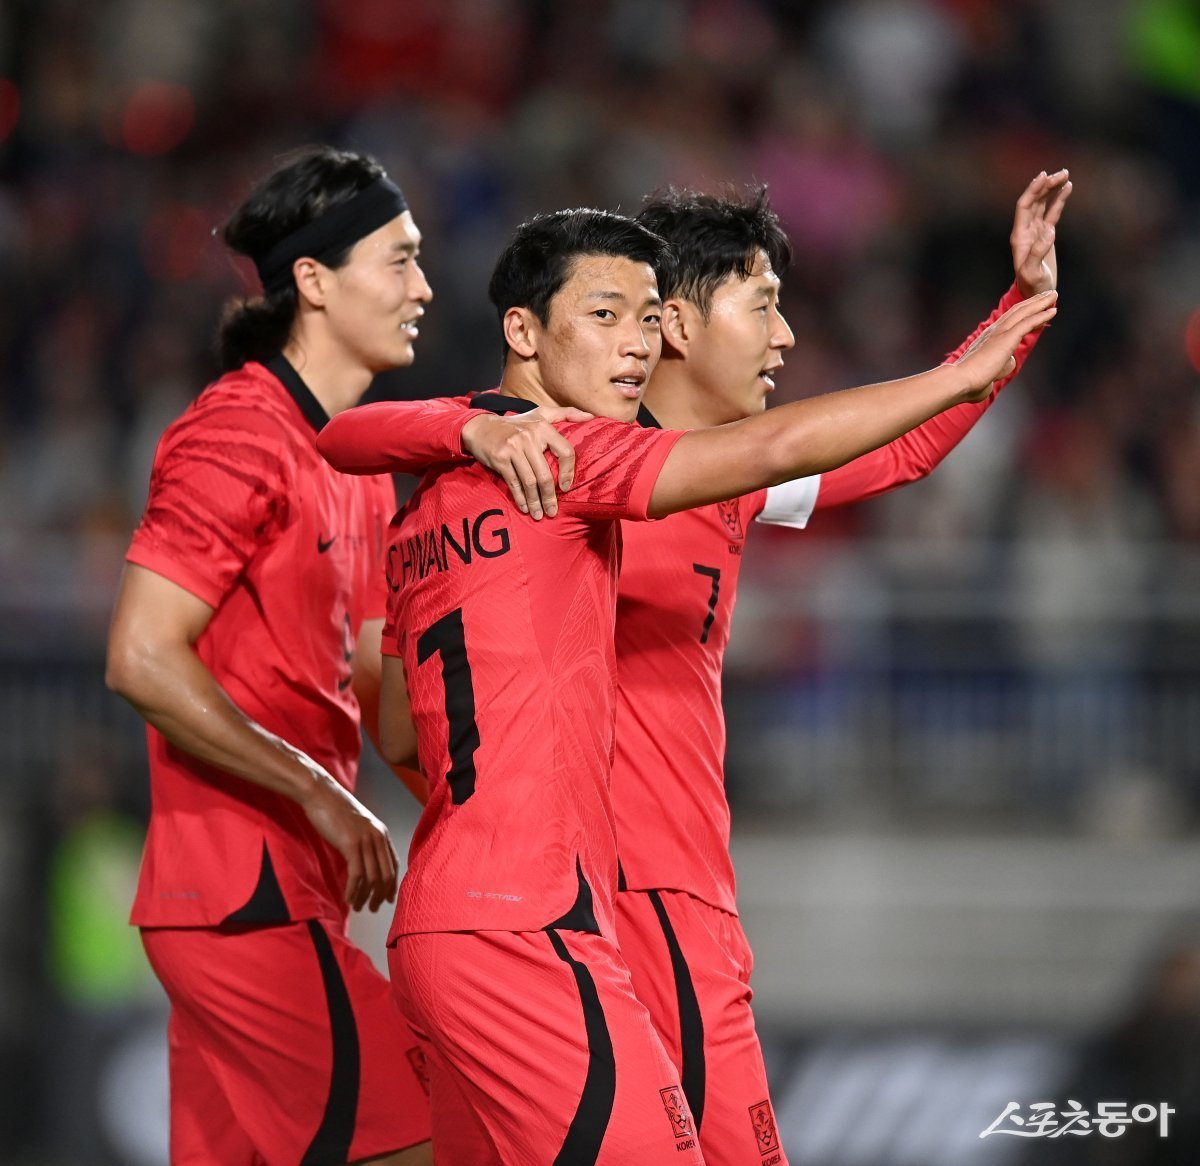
(397, 437)
(918, 452)
(219, 490)
(616, 466)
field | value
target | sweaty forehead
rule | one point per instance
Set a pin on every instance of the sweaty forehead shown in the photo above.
(602, 275)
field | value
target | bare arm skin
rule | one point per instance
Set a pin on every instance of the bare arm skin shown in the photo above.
(152, 663)
(368, 673)
(397, 737)
(819, 434)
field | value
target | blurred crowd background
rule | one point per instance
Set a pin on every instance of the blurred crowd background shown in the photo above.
(965, 719)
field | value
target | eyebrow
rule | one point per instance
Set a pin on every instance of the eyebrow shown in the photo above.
(410, 248)
(618, 297)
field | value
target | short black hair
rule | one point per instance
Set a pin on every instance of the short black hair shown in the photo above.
(303, 187)
(538, 259)
(712, 237)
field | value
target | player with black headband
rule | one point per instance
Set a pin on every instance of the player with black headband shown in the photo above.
(247, 632)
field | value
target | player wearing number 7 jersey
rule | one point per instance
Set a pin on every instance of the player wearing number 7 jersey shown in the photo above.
(723, 337)
(502, 947)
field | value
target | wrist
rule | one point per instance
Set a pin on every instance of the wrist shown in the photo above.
(470, 429)
(956, 384)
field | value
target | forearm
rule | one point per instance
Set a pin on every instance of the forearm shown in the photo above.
(917, 454)
(176, 693)
(802, 438)
(366, 689)
(396, 437)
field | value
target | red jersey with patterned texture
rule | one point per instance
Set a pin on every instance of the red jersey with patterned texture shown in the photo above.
(245, 515)
(505, 626)
(675, 602)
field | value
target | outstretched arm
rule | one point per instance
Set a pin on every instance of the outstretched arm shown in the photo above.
(819, 434)
(917, 453)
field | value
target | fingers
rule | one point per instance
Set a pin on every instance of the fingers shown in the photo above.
(1055, 209)
(372, 876)
(536, 492)
(565, 452)
(553, 413)
(516, 487)
(537, 482)
(355, 890)
(1032, 314)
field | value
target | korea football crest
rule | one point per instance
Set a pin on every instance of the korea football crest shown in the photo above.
(731, 516)
(676, 1106)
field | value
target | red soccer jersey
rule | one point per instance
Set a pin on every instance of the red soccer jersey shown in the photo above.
(245, 514)
(505, 626)
(676, 596)
(675, 601)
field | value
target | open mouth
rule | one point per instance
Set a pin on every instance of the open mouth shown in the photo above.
(767, 377)
(630, 386)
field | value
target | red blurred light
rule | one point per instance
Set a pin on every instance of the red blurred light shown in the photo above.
(1191, 339)
(10, 107)
(175, 243)
(157, 117)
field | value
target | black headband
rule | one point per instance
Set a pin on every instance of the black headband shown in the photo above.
(339, 227)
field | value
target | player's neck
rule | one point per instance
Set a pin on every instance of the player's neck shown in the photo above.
(336, 384)
(675, 400)
(521, 379)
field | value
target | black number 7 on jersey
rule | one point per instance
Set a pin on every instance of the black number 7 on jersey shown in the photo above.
(713, 573)
(447, 639)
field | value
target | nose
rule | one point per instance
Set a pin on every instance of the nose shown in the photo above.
(637, 341)
(782, 335)
(419, 288)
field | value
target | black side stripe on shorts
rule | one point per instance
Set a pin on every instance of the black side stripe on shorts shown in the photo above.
(331, 1144)
(581, 1146)
(691, 1025)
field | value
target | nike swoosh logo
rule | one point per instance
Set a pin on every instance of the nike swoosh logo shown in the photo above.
(324, 544)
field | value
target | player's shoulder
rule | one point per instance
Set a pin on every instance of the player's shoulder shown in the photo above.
(246, 401)
(607, 430)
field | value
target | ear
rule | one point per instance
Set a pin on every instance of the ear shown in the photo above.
(521, 331)
(310, 281)
(680, 323)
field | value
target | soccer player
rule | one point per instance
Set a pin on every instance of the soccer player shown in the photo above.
(723, 339)
(248, 618)
(502, 947)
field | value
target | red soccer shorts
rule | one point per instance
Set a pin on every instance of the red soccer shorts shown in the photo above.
(286, 1047)
(546, 1046)
(690, 965)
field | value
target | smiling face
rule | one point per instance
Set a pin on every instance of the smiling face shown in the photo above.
(601, 339)
(375, 299)
(732, 357)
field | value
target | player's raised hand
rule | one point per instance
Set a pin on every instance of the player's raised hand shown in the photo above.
(990, 358)
(1032, 240)
(514, 448)
(372, 868)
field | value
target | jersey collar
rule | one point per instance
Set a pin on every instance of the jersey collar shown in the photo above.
(499, 403)
(314, 413)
